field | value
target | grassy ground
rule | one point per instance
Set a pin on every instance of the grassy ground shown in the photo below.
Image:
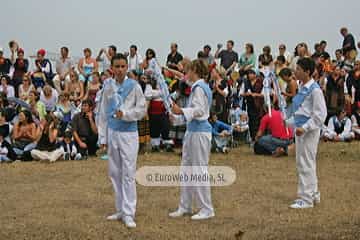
(70, 200)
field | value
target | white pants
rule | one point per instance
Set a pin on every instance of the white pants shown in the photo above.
(57, 82)
(306, 151)
(343, 137)
(122, 151)
(46, 155)
(196, 152)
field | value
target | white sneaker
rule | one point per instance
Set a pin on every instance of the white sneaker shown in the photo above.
(316, 197)
(114, 217)
(301, 204)
(129, 222)
(179, 213)
(202, 216)
(78, 157)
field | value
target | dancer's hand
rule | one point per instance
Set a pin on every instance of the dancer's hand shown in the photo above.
(176, 109)
(300, 131)
(119, 114)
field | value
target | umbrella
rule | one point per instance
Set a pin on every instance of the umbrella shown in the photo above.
(19, 102)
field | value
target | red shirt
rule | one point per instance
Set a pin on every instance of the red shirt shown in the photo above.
(276, 125)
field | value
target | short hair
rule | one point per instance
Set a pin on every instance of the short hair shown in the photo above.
(134, 47)
(119, 56)
(267, 49)
(323, 42)
(88, 102)
(250, 71)
(231, 42)
(37, 94)
(175, 44)
(200, 68)
(307, 64)
(68, 134)
(207, 46)
(113, 47)
(281, 58)
(201, 54)
(285, 72)
(339, 51)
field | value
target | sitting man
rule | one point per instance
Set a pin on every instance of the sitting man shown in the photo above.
(221, 134)
(84, 130)
(339, 128)
(276, 143)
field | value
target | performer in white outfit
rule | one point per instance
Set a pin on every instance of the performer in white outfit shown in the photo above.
(197, 142)
(309, 114)
(339, 128)
(125, 105)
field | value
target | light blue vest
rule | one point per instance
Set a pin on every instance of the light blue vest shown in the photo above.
(299, 99)
(200, 125)
(116, 101)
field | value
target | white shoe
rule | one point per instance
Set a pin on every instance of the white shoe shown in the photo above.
(316, 197)
(301, 204)
(129, 222)
(114, 217)
(179, 213)
(202, 216)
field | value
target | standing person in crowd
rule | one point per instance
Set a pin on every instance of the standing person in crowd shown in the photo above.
(323, 45)
(45, 66)
(123, 138)
(348, 46)
(220, 90)
(174, 57)
(64, 65)
(197, 142)
(87, 66)
(285, 53)
(309, 114)
(247, 60)
(352, 89)
(265, 59)
(47, 148)
(252, 92)
(334, 92)
(301, 51)
(106, 60)
(25, 88)
(228, 57)
(209, 59)
(7, 89)
(21, 66)
(339, 128)
(291, 85)
(5, 63)
(339, 58)
(84, 130)
(135, 59)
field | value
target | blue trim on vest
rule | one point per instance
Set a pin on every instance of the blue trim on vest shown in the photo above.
(115, 103)
(201, 125)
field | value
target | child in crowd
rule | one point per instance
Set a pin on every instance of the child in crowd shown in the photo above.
(70, 150)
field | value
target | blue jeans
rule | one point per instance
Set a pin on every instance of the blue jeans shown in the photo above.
(270, 143)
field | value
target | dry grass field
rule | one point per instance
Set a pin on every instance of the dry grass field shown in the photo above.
(70, 200)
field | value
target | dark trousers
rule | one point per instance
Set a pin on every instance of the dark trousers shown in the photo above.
(159, 125)
(91, 142)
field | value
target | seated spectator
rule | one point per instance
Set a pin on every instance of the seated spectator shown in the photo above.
(65, 107)
(355, 119)
(7, 153)
(265, 59)
(339, 128)
(20, 65)
(84, 130)
(93, 87)
(38, 108)
(24, 134)
(69, 147)
(47, 148)
(5, 87)
(221, 133)
(25, 88)
(38, 78)
(64, 66)
(277, 141)
(75, 88)
(240, 123)
(247, 60)
(49, 97)
(87, 66)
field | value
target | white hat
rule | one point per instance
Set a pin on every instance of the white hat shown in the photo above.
(1, 49)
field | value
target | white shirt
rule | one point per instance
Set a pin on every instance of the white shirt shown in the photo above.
(135, 62)
(10, 90)
(314, 107)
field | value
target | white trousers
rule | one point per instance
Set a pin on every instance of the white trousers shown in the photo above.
(332, 135)
(46, 155)
(306, 151)
(196, 152)
(122, 151)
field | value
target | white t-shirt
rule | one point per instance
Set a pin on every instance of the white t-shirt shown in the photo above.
(10, 91)
(134, 62)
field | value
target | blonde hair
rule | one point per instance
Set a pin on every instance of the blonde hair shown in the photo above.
(200, 68)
